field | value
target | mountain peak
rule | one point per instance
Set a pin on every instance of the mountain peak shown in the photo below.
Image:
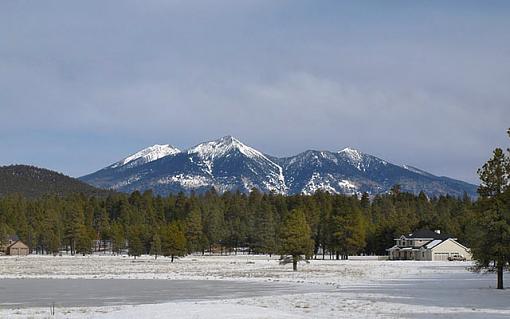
(352, 153)
(147, 155)
(350, 150)
(219, 147)
(229, 139)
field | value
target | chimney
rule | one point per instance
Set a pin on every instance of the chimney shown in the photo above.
(438, 231)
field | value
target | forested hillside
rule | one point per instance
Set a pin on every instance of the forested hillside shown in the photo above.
(180, 224)
(34, 182)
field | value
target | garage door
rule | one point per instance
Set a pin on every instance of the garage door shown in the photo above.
(441, 256)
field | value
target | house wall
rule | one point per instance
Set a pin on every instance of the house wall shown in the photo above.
(18, 249)
(448, 248)
(421, 254)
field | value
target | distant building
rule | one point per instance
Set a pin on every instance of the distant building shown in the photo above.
(14, 247)
(18, 248)
(428, 245)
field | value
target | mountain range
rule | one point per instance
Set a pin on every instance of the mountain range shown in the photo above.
(229, 165)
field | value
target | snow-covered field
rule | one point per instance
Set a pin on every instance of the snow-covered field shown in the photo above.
(356, 288)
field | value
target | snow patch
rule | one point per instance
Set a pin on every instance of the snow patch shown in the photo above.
(354, 156)
(147, 155)
(126, 182)
(188, 181)
(347, 184)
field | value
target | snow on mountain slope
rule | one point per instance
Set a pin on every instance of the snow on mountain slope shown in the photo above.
(147, 155)
(358, 159)
(229, 165)
(229, 157)
(220, 147)
(417, 170)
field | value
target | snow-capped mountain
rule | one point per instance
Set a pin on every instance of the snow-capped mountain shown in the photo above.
(229, 165)
(147, 155)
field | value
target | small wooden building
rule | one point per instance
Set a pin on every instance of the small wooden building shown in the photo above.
(17, 248)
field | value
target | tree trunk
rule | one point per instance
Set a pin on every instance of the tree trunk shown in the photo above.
(337, 257)
(294, 263)
(500, 277)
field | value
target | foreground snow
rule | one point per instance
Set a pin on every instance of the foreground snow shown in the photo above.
(363, 288)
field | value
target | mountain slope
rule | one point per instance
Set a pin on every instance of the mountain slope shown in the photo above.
(229, 165)
(225, 163)
(146, 155)
(33, 182)
(352, 172)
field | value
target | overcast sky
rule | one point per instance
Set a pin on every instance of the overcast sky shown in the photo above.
(85, 83)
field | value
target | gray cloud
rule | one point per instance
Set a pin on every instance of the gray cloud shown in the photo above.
(83, 84)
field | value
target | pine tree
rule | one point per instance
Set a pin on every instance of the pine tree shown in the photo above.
(173, 241)
(348, 227)
(295, 237)
(135, 245)
(118, 238)
(83, 241)
(155, 245)
(265, 230)
(491, 248)
(194, 231)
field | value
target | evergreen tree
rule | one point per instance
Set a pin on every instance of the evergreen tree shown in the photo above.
(173, 241)
(491, 248)
(118, 238)
(83, 241)
(155, 245)
(295, 237)
(347, 227)
(265, 230)
(135, 244)
(194, 231)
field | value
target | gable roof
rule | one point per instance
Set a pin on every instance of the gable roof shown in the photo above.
(453, 241)
(429, 234)
(17, 242)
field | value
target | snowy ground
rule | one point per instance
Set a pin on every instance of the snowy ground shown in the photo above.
(355, 288)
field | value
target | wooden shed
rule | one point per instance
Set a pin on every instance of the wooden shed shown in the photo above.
(17, 248)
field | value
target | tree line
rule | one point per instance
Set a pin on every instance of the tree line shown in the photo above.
(338, 225)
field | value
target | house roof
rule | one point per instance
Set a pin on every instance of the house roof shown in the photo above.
(16, 242)
(433, 243)
(429, 234)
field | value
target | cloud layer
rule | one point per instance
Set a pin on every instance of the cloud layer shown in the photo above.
(84, 84)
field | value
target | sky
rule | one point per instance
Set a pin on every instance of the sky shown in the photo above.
(86, 83)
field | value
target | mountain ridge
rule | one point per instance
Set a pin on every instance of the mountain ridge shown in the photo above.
(33, 182)
(227, 164)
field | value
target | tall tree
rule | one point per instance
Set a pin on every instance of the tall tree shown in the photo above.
(348, 227)
(295, 237)
(155, 245)
(135, 243)
(173, 241)
(83, 241)
(491, 248)
(265, 230)
(194, 231)
(118, 238)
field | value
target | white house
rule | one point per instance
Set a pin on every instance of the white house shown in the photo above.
(428, 245)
